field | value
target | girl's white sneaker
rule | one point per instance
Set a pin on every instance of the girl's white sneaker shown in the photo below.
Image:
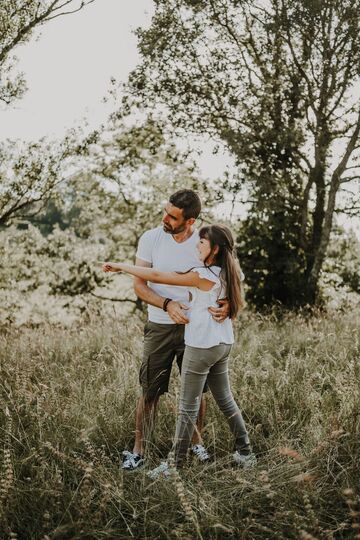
(163, 470)
(246, 461)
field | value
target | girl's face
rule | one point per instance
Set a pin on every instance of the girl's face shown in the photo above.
(204, 249)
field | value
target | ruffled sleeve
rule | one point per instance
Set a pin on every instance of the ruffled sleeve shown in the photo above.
(206, 273)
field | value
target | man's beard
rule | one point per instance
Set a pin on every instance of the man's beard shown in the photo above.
(171, 231)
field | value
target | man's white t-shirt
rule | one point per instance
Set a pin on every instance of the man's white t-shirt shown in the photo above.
(166, 255)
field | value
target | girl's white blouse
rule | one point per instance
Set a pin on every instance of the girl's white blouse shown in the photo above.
(202, 331)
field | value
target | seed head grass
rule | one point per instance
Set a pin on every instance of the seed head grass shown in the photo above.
(67, 410)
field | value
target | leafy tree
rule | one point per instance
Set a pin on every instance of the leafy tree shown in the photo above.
(30, 172)
(18, 21)
(60, 267)
(275, 81)
(142, 166)
(343, 261)
(97, 213)
(130, 172)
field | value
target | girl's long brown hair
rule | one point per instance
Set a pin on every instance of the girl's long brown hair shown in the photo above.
(221, 237)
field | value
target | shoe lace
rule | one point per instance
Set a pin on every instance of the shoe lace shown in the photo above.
(131, 457)
(200, 450)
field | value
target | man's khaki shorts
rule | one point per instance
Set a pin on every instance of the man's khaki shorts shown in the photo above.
(162, 344)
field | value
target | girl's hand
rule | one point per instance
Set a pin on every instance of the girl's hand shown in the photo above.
(110, 267)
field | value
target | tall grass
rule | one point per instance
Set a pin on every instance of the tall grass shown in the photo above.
(68, 399)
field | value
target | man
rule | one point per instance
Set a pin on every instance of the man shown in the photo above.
(170, 247)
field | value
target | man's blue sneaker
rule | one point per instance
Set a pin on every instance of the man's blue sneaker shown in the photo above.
(131, 461)
(200, 452)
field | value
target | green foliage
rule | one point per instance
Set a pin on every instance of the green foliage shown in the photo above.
(59, 264)
(29, 172)
(341, 276)
(272, 260)
(344, 258)
(141, 166)
(67, 406)
(275, 83)
(120, 179)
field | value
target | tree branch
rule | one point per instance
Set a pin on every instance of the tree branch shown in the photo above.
(349, 150)
(39, 19)
(130, 300)
(304, 211)
(328, 219)
(348, 179)
(84, 3)
(299, 67)
(349, 211)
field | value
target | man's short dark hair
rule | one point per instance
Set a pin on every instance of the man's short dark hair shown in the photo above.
(188, 201)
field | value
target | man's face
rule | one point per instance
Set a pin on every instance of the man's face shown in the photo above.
(173, 219)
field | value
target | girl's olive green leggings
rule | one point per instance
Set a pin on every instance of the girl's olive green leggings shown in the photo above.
(198, 366)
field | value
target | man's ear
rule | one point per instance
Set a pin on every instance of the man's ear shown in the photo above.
(191, 221)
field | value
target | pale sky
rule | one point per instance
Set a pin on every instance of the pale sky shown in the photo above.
(68, 66)
(68, 70)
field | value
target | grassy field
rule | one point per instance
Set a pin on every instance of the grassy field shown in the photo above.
(67, 412)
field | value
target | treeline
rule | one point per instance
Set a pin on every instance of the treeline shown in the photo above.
(273, 85)
(117, 188)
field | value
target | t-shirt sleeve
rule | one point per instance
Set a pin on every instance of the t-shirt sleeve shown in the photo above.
(145, 246)
(206, 273)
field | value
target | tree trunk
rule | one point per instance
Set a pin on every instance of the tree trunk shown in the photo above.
(317, 178)
(325, 237)
(320, 252)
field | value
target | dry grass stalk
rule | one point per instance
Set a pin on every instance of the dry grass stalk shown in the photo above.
(7, 473)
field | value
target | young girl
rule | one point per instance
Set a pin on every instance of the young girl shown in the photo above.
(207, 342)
